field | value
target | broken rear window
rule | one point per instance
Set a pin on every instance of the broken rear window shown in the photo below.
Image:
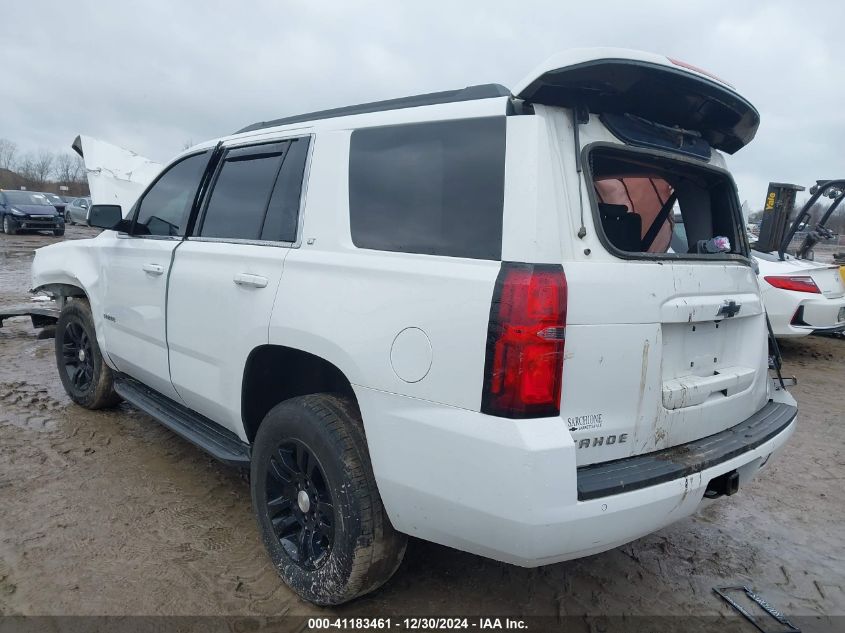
(644, 202)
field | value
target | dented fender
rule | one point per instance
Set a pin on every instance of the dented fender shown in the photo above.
(59, 268)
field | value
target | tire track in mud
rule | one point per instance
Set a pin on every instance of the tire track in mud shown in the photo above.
(127, 500)
(107, 512)
(27, 406)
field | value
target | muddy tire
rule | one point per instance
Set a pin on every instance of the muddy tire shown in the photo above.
(85, 376)
(316, 501)
(8, 226)
(58, 232)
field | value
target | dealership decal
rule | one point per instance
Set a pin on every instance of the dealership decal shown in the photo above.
(584, 422)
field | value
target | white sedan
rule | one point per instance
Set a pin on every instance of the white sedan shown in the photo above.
(801, 296)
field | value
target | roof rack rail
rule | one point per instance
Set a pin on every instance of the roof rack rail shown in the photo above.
(470, 93)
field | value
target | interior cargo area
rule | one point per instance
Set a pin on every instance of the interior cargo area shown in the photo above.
(640, 197)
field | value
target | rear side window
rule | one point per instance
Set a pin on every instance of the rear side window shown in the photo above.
(431, 188)
(283, 210)
(257, 192)
(240, 195)
(165, 207)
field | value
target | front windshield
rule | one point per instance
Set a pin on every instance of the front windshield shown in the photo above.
(27, 197)
(53, 198)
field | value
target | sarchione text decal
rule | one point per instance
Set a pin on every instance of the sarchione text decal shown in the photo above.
(583, 422)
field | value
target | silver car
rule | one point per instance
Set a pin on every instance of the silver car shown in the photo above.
(76, 212)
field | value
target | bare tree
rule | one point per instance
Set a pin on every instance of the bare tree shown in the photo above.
(8, 153)
(67, 168)
(78, 174)
(44, 160)
(26, 167)
(37, 167)
(69, 171)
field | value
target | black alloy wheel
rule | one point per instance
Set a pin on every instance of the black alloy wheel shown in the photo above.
(316, 501)
(299, 504)
(86, 377)
(78, 357)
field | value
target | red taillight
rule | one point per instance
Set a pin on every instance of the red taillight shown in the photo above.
(799, 283)
(524, 366)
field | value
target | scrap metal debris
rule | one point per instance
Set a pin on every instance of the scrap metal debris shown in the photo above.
(768, 609)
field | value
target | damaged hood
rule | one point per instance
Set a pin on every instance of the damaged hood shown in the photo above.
(115, 175)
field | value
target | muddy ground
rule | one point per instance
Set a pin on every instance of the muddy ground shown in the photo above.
(109, 513)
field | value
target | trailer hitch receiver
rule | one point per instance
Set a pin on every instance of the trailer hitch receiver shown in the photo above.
(723, 485)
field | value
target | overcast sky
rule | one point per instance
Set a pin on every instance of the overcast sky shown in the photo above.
(151, 76)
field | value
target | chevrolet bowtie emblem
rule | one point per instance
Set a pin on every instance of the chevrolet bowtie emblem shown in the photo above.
(731, 308)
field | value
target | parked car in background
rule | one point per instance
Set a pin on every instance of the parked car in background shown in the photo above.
(801, 296)
(57, 201)
(77, 211)
(29, 211)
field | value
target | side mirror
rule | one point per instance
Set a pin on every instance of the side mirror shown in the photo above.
(106, 216)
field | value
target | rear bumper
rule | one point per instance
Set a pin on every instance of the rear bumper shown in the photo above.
(801, 318)
(829, 330)
(624, 475)
(510, 490)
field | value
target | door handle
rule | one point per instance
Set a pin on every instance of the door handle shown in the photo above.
(254, 281)
(153, 269)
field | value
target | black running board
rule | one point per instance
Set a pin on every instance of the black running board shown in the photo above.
(197, 429)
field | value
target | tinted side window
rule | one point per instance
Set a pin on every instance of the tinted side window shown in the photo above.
(165, 207)
(283, 212)
(242, 192)
(433, 188)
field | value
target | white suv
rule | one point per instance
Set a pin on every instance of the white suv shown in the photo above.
(455, 316)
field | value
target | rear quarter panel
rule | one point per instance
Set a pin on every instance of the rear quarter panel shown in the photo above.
(349, 305)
